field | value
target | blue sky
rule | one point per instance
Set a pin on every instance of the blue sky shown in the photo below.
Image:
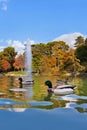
(40, 20)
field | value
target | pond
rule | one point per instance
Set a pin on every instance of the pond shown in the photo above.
(36, 109)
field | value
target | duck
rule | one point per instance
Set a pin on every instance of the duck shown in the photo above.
(26, 82)
(61, 89)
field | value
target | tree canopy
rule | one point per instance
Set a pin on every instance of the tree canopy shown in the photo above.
(7, 56)
(81, 52)
(52, 57)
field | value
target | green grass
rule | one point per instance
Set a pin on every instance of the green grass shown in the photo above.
(15, 73)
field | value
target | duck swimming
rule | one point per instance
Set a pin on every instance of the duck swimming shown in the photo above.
(26, 82)
(61, 89)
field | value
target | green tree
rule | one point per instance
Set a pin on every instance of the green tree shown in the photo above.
(9, 54)
(54, 57)
(38, 51)
(79, 40)
(86, 41)
(81, 54)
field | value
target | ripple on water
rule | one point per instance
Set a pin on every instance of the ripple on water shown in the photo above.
(40, 103)
(7, 101)
(71, 97)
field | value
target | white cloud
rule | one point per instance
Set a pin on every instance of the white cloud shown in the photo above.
(4, 7)
(1, 42)
(1, 48)
(18, 45)
(4, 4)
(69, 38)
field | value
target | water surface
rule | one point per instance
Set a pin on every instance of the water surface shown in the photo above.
(36, 109)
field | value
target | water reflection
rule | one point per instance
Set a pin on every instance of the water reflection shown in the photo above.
(48, 97)
(16, 109)
(37, 96)
(29, 92)
(37, 109)
(14, 93)
(22, 106)
(3, 95)
(82, 108)
(76, 102)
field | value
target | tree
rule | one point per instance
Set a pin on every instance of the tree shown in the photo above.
(5, 65)
(79, 40)
(49, 65)
(1, 57)
(86, 41)
(81, 53)
(19, 62)
(38, 51)
(54, 57)
(9, 54)
(59, 50)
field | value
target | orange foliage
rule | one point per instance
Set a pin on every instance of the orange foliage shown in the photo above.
(19, 62)
(5, 65)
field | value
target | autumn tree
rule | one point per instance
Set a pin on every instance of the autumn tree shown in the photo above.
(9, 54)
(49, 65)
(38, 51)
(71, 63)
(48, 56)
(19, 63)
(5, 65)
(1, 56)
(59, 50)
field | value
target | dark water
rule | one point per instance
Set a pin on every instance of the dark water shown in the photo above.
(35, 109)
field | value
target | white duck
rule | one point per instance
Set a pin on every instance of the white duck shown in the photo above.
(61, 89)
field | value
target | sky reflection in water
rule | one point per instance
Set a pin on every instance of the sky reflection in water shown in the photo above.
(39, 119)
(68, 112)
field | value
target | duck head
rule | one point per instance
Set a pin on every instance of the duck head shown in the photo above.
(48, 83)
(20, 79)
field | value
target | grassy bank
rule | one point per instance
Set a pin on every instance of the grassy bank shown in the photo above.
(15, 73)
